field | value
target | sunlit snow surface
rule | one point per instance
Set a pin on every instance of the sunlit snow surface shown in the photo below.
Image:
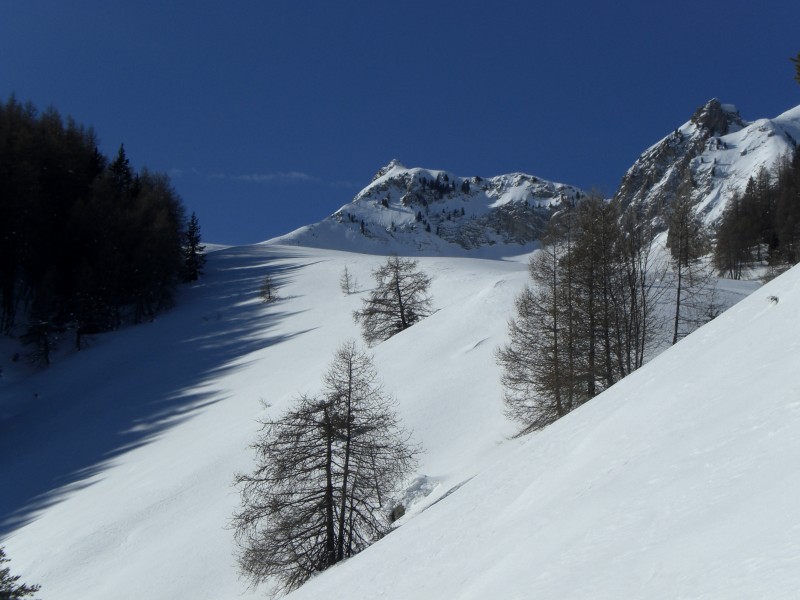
(680, 481)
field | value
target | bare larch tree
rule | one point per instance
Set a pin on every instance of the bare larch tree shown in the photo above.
(399, 300)
(325, 473)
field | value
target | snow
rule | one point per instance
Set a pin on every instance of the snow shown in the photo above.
(382, 217)
(123, 462)
(679, 481)
(720, 168)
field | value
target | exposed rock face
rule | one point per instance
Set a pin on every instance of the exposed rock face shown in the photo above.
(713, 155)
(653, 180)
(415, 204)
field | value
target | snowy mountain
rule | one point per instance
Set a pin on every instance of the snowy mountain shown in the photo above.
(679, 481)
(718, 150)
(423, 211)
(434, 212)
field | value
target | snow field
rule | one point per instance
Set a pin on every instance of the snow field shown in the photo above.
(125, 465)
(679, 481)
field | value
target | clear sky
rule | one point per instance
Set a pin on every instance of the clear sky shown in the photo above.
(269, 115)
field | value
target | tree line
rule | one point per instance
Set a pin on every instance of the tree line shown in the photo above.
(86, 243)
(762, 224)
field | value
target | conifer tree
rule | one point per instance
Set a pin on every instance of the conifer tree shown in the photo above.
(193, 251)
(589, 316)
(347, 282)
(84, 245)
(399, 300)
(120, 172)
(267, 291)
(325, 473)
(688, 242)
(10, 586)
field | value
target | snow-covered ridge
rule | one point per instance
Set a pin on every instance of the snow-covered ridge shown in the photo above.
(717, 150)
(435, 212)
(427, 211)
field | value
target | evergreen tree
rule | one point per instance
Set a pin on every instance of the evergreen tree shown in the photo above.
(10, 587)
(120, 172)
(84, 245)
(732, 251)
(194, 258)
(787, 212)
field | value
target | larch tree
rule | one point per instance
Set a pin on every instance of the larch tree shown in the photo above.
(268, 290)
(688, 242)
(538, 362)
(399, 300)
(588, 317)
(325, 474)
(347, 282)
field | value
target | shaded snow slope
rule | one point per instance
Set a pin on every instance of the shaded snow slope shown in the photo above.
(681, 481)
(433, 212)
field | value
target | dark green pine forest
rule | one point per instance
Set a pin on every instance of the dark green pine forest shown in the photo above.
(87, 244)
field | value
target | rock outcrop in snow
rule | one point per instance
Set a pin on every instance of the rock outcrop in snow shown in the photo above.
(717, 151)
(423, 210)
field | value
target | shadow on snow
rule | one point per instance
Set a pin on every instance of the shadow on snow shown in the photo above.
(133, 385)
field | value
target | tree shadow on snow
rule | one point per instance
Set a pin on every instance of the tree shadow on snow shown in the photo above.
(131, 386)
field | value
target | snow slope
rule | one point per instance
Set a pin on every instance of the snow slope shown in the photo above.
(679, 481)
(118, 461)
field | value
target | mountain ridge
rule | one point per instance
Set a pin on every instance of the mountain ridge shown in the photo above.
(716, 151)
(435, 212)
(431, 211)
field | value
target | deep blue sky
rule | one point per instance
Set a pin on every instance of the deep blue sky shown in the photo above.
(269, 115)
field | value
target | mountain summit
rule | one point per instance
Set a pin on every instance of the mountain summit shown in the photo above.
(715, 153)
(428, 211)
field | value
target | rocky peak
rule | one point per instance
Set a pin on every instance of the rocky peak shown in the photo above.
(394, 163)
(716, 119)
(715, 153)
